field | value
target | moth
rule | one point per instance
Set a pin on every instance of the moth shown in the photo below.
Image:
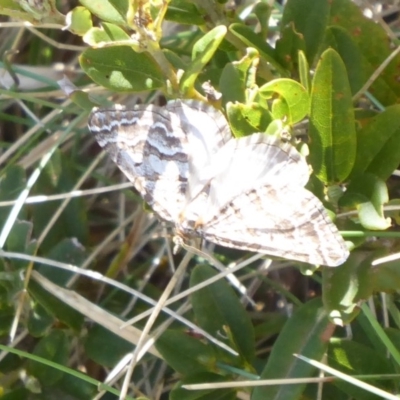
(246, 193)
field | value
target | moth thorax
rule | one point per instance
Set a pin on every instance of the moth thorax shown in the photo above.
(189, 223)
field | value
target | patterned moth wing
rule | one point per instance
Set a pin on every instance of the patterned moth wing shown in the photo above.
(152, 146)
(256, 201)
(245, 193)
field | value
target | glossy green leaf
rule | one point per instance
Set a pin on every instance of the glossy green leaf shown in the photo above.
(343, 287)
(310, 19)
(378, 151)
(367, 193)
(295, 99)
(355, 358)
(122, 69)
(252, 39)
(228, 313)
(185, 354)
(203, 51)
(107, 33)
(289, 45)
(79, 21)
(247, 119)
(53, 347)
(340, 40)
(375, 47)
(113, 11)
(206, 46)
(238, 76)
(307, 333)
(332, 124)
(280, 109)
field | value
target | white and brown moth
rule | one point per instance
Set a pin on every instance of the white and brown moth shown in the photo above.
(245, 193)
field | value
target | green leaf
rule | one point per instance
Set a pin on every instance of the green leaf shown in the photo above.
(113, 11)
(310, 19)
(386, 277)
(175, 60)
(79, 21)
(289, 45)
(251, 39)
(39, 321)
(375, 47)
(184, 12)
(295, 98)
(122, 69)
(343, 287)
(340, 40)
(367, 193)
(68, 251)
(12, 182)
(185, 354)
(82, 99)
(98, 339)
(19, 237)
(59, 176)
(17, 394)
(272, 325)
(36, 12)
(332, 124)
(355, 358)
(238, 76)
(202, 52)
(53, 347)
(263, 13)
(107, 33)
(378, 151)
(277, 128)
(304, 71)
(307, 333)
(247, 119)
(77, 388)
(228, 313)
(7, 316)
